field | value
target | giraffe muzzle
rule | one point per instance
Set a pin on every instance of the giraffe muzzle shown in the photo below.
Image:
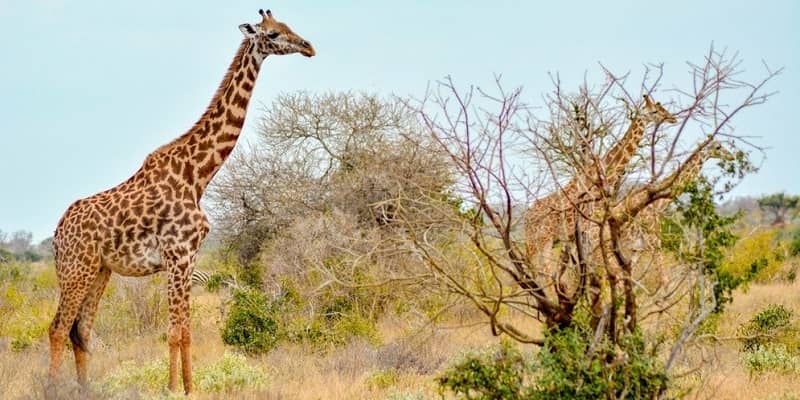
(308, 50)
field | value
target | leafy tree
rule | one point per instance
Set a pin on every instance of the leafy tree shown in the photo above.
(779, 205)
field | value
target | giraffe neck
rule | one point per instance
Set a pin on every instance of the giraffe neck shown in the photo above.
(636, 201)
(621, 153)
(199, 153)
(692, 167)
(615, 160)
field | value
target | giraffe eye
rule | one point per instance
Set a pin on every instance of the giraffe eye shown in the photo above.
(273, 35)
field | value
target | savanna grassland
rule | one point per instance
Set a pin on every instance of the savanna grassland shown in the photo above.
(399, 360)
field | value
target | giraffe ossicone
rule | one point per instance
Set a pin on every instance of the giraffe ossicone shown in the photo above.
(153, 222)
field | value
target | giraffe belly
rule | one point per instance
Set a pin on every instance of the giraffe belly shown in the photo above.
(140, 261)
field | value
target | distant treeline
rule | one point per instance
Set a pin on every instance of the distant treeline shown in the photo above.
(19, 246)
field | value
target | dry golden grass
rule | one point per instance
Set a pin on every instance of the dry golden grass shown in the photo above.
(410, 356)
(726, 378)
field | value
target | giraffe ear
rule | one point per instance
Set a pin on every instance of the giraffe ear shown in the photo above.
(248, 30)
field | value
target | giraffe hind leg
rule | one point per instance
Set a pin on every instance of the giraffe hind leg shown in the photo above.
(81, 331)
(74, 288)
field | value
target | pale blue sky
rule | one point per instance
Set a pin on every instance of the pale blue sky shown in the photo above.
(89, 88)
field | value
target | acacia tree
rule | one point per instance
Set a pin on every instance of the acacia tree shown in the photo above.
(779, 205)
(504, 155)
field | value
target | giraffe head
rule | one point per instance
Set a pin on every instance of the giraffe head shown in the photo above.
(273, 37)
(716, 150)
(655, 113)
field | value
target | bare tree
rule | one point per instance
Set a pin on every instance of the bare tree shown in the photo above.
(20, 242)
(342, 153)
(504, 155)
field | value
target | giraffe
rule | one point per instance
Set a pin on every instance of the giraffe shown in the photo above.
(552, 216)
(651, 199)
(153, 222)
(660, 194)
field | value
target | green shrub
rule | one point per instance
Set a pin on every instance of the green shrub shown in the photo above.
(256, 323)
(148, 378)
(381, 379)
(563, 369)
(215, 282)
(13, 272)
(252, 323)
(770, 325)
(774, 358)
(794, 244)
(494, 374)
(231, 373)
(21, 343)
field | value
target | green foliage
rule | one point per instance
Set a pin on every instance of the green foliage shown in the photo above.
(768, 326)
(5, 256)
(26, 304)
(251, 274)
(13, 272)
(699, 214)
(252, 323)
(565, 368)
(769, 341)
(774, 358)
(148, 378)
(231, 373)
(794, 244)
(756, 257)
(256, 323)
(215, 281)
(381, 379)
(494, 374)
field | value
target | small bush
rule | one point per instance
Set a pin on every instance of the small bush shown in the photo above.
(231, 373)
(252, 323)
(215, 282)
(21, 343)
(13, 272)
(494, 374)
(562, 369)
(775, 358)
(148, 378)
(794, 244)
(381, 379)
(770, 324)
(565, 372)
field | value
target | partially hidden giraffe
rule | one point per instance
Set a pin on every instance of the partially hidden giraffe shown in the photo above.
(659, 195)
(153, 222)
(551, 218)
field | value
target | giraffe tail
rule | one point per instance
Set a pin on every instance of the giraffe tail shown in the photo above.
(76, 338)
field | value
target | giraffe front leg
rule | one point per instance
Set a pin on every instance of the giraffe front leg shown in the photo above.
(179, 335)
